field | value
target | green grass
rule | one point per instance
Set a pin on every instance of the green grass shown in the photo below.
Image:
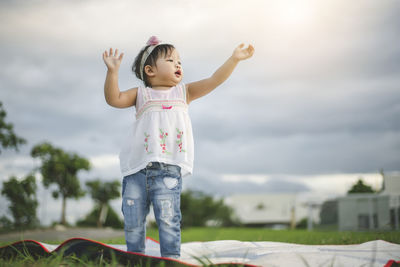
(289, 236)
(51, 261)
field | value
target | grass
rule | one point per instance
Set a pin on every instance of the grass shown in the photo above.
(289, 236)
(56, 260)
(212, 234)
(69, 261)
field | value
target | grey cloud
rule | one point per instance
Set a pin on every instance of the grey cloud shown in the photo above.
(300, 154)
(328, 110)
(213, 184)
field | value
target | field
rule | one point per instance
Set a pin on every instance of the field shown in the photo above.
(211, 234)
(289, 236)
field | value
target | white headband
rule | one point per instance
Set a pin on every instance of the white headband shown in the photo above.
(153, 42)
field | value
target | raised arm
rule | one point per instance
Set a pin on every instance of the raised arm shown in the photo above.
(203, 87)
(114, 97)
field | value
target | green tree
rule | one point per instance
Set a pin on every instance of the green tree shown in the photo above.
(302, 224)
(102, 193)
(360, 187)
(329, 212)
(8, 138)
(61, 168)
(112, 219)
(23, 202)
(198, 208)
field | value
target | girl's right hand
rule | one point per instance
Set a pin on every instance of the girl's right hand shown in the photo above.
(112, 61)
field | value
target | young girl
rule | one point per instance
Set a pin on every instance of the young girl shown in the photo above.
(159, 150)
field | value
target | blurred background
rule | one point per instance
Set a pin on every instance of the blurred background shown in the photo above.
(312, 113)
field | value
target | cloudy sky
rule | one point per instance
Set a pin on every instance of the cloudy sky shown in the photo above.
(316, 107)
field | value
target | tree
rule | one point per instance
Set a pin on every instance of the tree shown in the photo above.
(102, 193)
(23, 202)
(60, 168)
(360, 187)
(112, 219)
(198, 209)
(302, 224)
(8, 138)
(329, 212)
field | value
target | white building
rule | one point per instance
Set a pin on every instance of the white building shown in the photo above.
(372, 211)
(278, 210)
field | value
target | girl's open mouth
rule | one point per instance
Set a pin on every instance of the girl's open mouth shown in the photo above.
(178, 73)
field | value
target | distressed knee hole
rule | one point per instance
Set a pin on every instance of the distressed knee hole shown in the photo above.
(130, 211)
(166, 208)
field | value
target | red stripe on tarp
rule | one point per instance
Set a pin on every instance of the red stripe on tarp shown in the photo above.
(134, 253)
(26, 241)
(392, 263)
(123, 251)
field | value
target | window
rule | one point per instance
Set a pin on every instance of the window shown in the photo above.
(363, 222)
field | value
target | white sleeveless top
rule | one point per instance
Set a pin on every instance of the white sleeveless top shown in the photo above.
(162, 131)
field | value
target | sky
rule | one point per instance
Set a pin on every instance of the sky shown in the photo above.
(315, 108)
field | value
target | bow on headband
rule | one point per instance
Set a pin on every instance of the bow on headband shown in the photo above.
(153, 42)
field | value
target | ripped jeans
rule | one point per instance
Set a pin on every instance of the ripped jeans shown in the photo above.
(161, 185)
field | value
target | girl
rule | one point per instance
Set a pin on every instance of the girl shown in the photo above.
(159, 150)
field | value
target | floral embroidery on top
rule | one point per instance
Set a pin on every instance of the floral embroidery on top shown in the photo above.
(179, 140)
(163, 136)
(146, 143)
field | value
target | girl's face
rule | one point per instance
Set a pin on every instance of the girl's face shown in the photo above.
(168, 69)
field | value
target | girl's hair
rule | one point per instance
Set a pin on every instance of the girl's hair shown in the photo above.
(161, 50)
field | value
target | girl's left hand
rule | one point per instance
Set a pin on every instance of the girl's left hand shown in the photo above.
(241, 53)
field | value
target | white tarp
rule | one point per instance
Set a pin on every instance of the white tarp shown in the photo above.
(373, 253)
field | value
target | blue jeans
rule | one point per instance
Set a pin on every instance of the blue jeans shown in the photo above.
(161, 185)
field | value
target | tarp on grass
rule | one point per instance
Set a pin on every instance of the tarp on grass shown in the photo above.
(373, 253)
